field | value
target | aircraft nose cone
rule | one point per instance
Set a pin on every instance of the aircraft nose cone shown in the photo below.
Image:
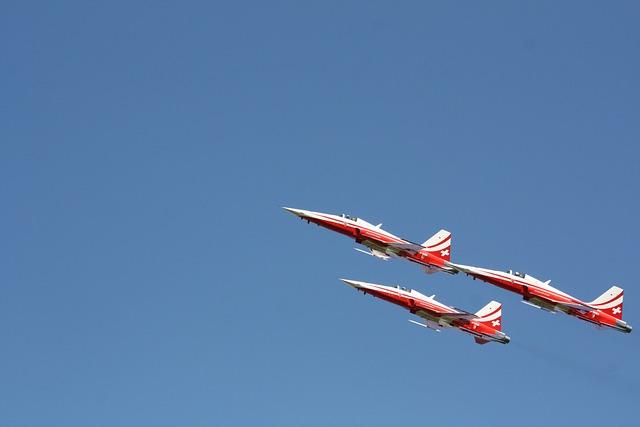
(296, 212)
(353, 283)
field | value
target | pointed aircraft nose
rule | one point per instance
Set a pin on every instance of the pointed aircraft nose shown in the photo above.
(297, 212)
(353, 283)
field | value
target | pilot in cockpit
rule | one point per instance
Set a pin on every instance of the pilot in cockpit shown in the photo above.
(352, 218)
(516, 273)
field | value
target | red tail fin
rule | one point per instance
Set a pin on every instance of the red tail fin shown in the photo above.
(491, 314)
(610, 302)
(440, 245)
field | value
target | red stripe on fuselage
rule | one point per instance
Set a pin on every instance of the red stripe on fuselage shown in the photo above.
(600, 318)
(475, 327)
(403, 300)
(423, 257)
(518, 286)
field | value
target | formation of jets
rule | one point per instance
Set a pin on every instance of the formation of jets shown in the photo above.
(434, 255)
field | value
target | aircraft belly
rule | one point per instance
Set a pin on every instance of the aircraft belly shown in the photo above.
(429, 317)
(542, 303)
(338, 228)
(379, 248)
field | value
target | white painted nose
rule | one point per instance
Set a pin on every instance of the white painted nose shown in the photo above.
(353, 283)
(297, 212)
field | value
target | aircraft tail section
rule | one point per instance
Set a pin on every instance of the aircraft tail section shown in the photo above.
(610, 302)
(440, 245)
(491, 314)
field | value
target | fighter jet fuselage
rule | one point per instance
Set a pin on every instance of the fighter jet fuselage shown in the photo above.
(485, 325)
(605, 311)
(432, 254)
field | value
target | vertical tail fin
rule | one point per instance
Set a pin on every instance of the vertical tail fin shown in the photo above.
(610, 302)
(440, 245)
(491, 314)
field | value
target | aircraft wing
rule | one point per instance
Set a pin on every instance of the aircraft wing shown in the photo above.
(407, 247)
(550, 298)
(583, 307)
(460, 315)
(449, 315)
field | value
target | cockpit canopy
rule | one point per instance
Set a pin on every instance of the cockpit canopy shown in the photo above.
(516, 273)
(403, 288)
(352, 218)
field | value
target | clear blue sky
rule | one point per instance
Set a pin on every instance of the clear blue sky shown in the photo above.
(149, 276)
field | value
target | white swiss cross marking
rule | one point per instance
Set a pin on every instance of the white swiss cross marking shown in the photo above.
(617, 310)
(495, 322)
(445, 252)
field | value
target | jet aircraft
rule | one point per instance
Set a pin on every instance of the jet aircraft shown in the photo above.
(485, 325)
(606, 310)
(432, 254)
(435, 255)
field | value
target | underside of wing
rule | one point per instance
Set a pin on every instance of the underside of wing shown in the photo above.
(576, 306)
(459, 316)
(550, 300)
(437, 313)
(407, 247)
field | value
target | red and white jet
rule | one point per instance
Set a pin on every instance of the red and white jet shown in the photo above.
(432, 254)
(606, 310)
(485, 325)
